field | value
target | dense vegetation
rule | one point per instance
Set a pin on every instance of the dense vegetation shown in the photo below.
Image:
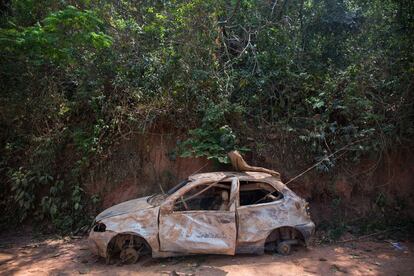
(78, 75)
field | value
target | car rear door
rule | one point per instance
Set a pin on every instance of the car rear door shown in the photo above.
(258, 219)
(199, 231)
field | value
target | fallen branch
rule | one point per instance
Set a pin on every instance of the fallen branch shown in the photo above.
(310, 168)
(324, 159)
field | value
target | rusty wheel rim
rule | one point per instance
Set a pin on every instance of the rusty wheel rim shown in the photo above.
(283, 248)
(129, 256)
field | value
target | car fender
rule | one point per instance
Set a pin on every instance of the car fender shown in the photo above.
(143, 223)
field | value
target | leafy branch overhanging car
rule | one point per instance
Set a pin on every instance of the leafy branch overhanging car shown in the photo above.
(209, 213)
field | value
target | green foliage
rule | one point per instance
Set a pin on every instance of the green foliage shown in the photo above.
(22, 187)
(212, 140)
(59, 38)
(38, 63)
(66, 212)
(212, 143)
(386, 218)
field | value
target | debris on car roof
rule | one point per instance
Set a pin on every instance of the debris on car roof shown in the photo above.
(239, 164)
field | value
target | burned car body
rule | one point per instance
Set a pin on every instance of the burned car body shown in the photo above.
(210, 213)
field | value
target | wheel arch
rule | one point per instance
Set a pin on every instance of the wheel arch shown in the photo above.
(285, 233)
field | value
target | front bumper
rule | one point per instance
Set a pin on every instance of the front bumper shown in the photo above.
(98, 242)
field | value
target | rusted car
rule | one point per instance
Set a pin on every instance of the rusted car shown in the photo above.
(209, 213)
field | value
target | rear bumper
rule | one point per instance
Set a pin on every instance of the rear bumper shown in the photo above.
(307, 230)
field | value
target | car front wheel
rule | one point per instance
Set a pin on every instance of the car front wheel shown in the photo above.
(129, 255)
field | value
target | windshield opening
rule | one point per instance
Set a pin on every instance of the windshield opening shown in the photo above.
(157, 199)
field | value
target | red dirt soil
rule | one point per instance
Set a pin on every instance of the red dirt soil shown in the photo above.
(26, 256)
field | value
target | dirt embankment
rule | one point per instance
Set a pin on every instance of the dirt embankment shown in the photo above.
(140, 166)
(25, 256)
(146, 164)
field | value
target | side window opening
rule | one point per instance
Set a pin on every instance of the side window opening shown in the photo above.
(204, 197)
(257, 192)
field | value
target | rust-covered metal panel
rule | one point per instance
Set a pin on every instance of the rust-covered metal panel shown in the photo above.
(98, 242)
(215, 176)
(127, 207)
(201, 231)
(143, 223)
(257, 221)
(204, 232)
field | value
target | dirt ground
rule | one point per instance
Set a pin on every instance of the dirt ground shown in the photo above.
(70, 256)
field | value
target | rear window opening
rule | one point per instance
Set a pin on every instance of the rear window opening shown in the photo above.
(257, 193)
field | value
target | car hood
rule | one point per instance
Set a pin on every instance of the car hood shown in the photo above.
(126, 207)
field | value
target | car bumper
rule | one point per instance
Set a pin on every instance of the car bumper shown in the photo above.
(307, 230)
(98, 242)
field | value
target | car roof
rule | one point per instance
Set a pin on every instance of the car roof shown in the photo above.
(220, 175)
(243, 176)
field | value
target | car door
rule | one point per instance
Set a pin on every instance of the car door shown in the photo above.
(191, 222)
(262, 209)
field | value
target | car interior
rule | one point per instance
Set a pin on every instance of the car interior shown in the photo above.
(257, 193)
(212, 196)
(216, 196)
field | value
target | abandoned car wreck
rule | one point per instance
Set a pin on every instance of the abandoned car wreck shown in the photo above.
(209, 213)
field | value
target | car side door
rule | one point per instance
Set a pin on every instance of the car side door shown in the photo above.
(262, 209)
(193, 220)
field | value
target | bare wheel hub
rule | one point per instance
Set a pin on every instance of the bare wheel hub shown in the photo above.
(129, 255)
(284, 248)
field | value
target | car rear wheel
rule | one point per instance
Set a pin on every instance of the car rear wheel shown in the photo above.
(129, 255)
(281, 240)
(284, 248)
